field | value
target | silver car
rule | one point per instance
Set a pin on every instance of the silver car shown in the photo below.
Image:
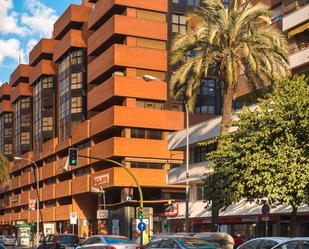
(107, 242)
(263, 243)
(7, 240)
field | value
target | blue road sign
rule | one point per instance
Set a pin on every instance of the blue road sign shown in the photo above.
(141, 226)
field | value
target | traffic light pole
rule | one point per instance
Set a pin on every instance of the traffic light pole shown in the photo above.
(131, 174)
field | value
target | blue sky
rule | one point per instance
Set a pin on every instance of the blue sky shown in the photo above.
(22, 24)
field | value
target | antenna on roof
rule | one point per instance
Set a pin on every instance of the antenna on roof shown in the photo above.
(19, 57)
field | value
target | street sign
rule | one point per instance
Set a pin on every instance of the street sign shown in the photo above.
(142, 226)
(102, 214)
(265, 218)
(265, 209)
(73, 218)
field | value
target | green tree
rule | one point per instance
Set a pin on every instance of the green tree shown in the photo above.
(4, 172)
(267, 157)
(227, 41)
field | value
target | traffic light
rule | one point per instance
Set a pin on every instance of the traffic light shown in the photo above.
(140, 212)
(33, 227)
(73, 153)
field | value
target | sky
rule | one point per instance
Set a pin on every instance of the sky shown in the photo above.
(22, 24)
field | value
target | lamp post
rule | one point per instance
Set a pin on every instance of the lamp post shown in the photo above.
(37, 191)
(187, 169)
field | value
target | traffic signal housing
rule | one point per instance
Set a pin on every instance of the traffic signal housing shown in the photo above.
(140, 212)
(33, 227)
(73, 154)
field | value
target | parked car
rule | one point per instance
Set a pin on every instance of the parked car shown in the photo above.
(263, 243)
(7, 240)
(2, 246)
(107, 242)
(181, 242)
(294, 243)
(59, 241)
(223, 240)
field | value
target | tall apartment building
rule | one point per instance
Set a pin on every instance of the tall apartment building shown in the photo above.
(84, 88)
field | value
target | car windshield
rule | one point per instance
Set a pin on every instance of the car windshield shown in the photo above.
(111, 240)
(197, 243)
(67, 240)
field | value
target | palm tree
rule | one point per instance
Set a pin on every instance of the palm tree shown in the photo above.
(227, 41)
(4, 172)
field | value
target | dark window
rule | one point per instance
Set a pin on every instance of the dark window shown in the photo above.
(208, 87)
(8, 117)
(200, 190)
(146, 165)
(305, 245)
(77, 57)
(267, 244)
(146, 134)
(25, 138)
(48, 82)
(77, 104)
(47, 124)
(206, 109)
(251, 244)
(168, 243)
(25, 102)
(25, 120)
(76, 80)
(110, 240)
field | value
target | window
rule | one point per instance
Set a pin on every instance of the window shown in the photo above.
(200, 190)
(146, 165)
(208, 87)
(25, 102)
(48, 82)
(47, 124)
(276, 14)
(50, 159)
(138, 133)
(251, 244)
(25, 138)
(146, 134)
(8, 117)
(25, 120)
(150, 43)
(149, 104)
(159, 75)
(83, 171)
(226, 3)
(50, 181)
(50, 203)
(77, 57)
(76, 106)
(205, 109)
(154, 134)
(188, 2)
(76, 80)
(268, 244)
(8, 132)
(8, 149)
(179, 23)
(150, 15)
(168, 243)
(305, 245)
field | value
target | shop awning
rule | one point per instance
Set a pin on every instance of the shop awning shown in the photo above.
(298, 30)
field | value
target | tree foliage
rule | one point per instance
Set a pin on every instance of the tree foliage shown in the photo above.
(4, 172)
(267, 157)
(227, 41)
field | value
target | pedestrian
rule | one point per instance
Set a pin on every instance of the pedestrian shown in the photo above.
(238, 240)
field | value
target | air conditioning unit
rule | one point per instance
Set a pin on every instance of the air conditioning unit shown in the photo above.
(118, 73)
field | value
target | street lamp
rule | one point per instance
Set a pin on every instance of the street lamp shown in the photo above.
(37, 191)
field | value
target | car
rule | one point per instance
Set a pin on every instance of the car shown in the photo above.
(294, 243)
(2, 246)
(107, 242)
(263, 243)
(59, 241)
(7, 240)
(161, 235)
(223, 240)
(181, 242)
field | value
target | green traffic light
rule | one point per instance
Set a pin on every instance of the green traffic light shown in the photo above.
(73, 161)
(140, 216)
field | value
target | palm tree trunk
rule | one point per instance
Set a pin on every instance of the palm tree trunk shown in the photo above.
(293, 222)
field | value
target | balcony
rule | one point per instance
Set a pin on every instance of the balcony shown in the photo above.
(63, 212)
(23, 89)
(48, 192)
(5, 90)
(74, 38)
(48, 170)
(24, 163)
(63, 144)
(73, 18)
(24, 215)
(63, 189)
(83, 161)
(118, 177)
(48, 214)
(298, 16)
(24, 198)
(25, 179)
(299, 58)
(133, 147)
(80, 132)
(126, 56)
(49, 147)
(43, 49)
(129, 26)
(120, 86)
(80, 184)
(97, 16)
(15, 216)
(15, 182)
(5, 106)
(21, 73)
(44, 67)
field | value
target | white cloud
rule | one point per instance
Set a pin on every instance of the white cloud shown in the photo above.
(8, 19)
(41, 18)
(11, 49)
(31, 43)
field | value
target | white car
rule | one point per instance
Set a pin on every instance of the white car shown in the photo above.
(107, 241)
(263, 243)
(295, 243)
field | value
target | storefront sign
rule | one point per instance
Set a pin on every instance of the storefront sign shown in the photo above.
(49, 228)
(73, 218)
(101, 179)
(174, 211)
(250, 219)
